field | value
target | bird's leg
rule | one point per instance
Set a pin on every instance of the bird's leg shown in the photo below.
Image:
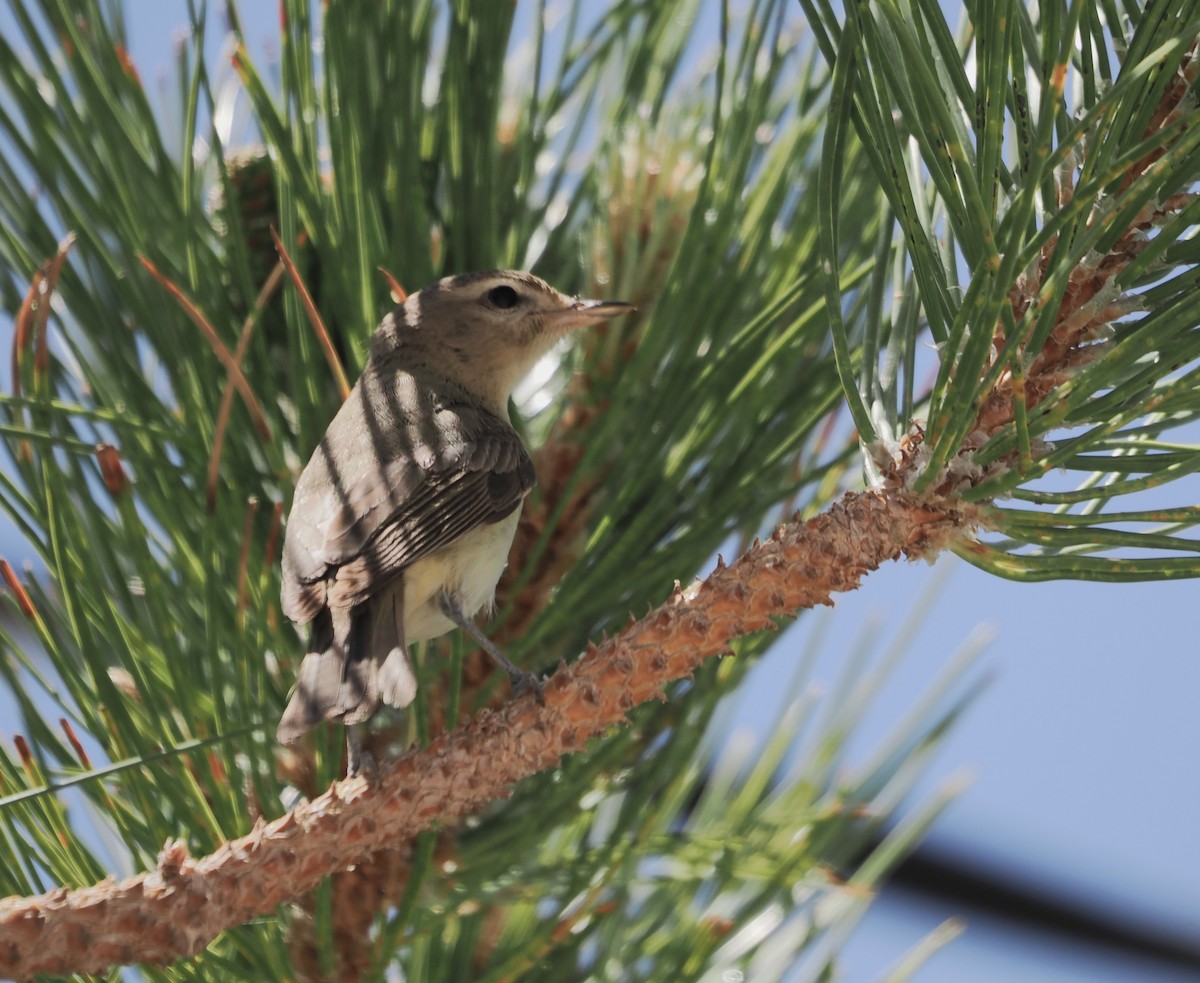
(519, 679)
(357, 759)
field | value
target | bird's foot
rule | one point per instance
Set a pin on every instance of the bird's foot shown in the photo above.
(523, 682)
(358, 761)
(521, 679)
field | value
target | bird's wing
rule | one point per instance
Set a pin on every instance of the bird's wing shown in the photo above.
(355, 539)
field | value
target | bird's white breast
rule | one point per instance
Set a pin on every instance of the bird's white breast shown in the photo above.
(469, 568)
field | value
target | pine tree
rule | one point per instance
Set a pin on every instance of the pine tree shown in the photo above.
(901, 291)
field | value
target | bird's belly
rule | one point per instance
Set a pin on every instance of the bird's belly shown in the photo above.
(468, 568)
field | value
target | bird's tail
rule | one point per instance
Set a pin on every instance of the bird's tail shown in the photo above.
(356, 660)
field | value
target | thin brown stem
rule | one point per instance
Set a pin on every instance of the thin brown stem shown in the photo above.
(32, 324)
(218, 346)
(270, 285)
(314, 318)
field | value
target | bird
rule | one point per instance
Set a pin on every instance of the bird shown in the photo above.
(402, 520)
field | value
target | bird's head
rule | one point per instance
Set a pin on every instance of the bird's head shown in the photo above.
(485, 331)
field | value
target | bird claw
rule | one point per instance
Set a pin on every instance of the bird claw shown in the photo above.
(358, 761)
(367, 767)
(524, 682)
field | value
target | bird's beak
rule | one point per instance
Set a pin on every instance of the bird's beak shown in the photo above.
(582, 313)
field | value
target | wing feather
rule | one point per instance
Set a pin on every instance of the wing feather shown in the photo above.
(373, 508)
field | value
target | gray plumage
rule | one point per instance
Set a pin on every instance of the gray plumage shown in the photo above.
(402, 520)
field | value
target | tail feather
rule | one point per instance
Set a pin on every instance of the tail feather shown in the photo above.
(318, 681)
(356, 659)
(396, 685)
(357, 698)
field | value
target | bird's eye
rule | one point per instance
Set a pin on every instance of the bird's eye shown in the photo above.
(503, 297)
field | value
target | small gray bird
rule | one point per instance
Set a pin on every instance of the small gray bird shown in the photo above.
(403, 518)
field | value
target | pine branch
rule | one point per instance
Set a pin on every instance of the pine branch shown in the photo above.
(177, 909)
